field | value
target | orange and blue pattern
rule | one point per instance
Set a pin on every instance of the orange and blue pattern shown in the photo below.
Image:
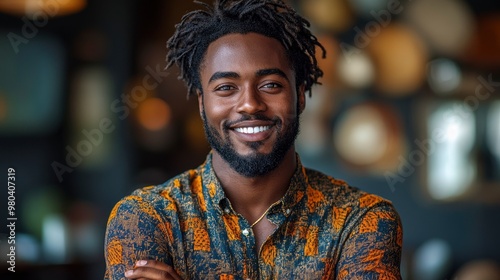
(325, 229)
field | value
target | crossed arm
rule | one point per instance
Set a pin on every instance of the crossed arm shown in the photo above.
(152, 270)
(135, 243)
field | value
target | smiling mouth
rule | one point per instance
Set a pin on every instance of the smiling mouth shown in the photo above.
(252, 129)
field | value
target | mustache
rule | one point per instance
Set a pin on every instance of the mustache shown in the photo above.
(259, 117)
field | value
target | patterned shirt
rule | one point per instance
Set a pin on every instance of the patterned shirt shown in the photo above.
(325, 229)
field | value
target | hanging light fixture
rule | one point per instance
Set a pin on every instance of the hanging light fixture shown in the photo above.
(34, 7)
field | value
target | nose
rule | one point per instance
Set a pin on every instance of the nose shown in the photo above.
(250, 102)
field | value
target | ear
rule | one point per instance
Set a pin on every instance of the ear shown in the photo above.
(301, 98)
(199, 94)
(200, 101)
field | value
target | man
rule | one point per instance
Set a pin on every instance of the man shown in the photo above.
(251, 211)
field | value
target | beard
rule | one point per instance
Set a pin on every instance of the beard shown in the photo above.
(255, 164)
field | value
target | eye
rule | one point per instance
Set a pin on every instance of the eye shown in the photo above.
(272, 86)
(224, 88)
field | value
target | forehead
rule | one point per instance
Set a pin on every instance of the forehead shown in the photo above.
(240, 52)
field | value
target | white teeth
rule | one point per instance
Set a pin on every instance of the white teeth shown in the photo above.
(252, 130)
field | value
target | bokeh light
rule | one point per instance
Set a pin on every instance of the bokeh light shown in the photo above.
(444, 76)
(446, 25)
(328, 15)
(368, 136)
(34, 7)
(400, 60)
(356, 70)
(451, 169)
(154, 114)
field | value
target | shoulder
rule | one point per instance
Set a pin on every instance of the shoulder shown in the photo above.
(178, 186)
(162, 197)
(357, 211)
(341, 195)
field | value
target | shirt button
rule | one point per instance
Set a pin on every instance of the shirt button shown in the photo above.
(288, 211)
(227, 210)
(246, 232)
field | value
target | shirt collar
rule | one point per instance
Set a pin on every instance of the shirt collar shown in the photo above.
(212, 188)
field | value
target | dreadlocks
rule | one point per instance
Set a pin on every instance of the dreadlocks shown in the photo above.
(272, 18)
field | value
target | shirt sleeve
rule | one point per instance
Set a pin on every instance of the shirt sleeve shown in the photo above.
(134, 231)
(372, 249)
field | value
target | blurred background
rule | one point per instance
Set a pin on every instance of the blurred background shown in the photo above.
(409, 108)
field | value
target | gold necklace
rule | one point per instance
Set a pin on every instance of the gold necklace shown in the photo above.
(263, 215)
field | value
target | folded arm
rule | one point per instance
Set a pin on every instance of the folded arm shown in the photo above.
(372, 248)
(136, 232)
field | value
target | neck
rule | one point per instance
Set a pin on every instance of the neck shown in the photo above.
(251, 196)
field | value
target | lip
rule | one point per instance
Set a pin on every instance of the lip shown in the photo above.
(252, 137)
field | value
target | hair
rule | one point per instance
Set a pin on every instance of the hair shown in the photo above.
(272, 18)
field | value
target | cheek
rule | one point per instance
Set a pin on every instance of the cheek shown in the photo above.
(288, 107)
(215, 110)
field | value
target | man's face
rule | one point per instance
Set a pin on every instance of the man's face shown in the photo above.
(249, 103)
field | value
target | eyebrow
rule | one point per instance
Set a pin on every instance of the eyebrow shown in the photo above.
(271, 71)
(222, 75)
(259, 73)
